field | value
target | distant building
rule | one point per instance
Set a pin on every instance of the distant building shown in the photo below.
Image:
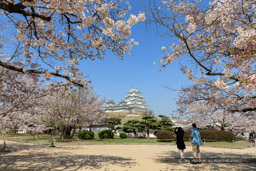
(134, 105)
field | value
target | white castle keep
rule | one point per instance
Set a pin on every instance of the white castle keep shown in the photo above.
(133, 105)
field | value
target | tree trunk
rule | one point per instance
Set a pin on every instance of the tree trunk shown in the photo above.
(66, 132)
(16, 131)
(135, 134)
(73, 132)
(80, 129)
(148, 133)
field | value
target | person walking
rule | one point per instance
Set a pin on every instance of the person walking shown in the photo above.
(254, 136)
(180, 142)
(251, 136)
(196, 141)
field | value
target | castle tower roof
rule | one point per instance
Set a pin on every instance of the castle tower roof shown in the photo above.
(134, 102)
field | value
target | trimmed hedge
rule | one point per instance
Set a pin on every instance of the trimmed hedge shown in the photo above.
(187, 135)
(123, 135)
(86, 135)
(12, 132)
(106, 134)
(206, 135)
(215, 135)
(165, 136)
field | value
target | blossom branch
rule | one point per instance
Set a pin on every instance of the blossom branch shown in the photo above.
(21, 70)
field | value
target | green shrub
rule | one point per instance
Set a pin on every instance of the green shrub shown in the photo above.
(123, 135)
(86, 135)
(186, 135)
(107, 134)
(165, 136)
(12, 132)
(215, 135)
(212, 135)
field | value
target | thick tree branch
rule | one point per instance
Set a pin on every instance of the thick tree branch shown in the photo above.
(19, 9)
(18, 69)
(245, 110)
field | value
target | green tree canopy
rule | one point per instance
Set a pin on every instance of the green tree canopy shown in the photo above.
(112, 123)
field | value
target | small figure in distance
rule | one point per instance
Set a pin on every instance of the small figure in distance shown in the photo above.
(252, 136)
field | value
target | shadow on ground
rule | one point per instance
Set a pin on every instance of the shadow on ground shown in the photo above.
(42, 161)
(173, 158)
(59, 160)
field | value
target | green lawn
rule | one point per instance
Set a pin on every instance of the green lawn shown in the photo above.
(38, 139)
(45, 139)
(237, 144)
(27, 138)
(121, 141)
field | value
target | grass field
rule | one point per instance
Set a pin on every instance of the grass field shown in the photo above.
(45, 139)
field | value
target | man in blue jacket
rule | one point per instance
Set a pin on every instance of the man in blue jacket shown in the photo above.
(196, 141)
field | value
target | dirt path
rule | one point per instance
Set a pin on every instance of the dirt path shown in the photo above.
(117, 158)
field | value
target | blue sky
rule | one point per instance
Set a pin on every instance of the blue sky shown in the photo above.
(112, 78)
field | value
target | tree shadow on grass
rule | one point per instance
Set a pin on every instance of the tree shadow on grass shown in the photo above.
(237, 161)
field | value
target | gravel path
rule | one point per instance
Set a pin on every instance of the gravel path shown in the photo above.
(119, 158)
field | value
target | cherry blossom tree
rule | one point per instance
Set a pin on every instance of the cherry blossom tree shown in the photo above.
(217, 110)
(59, 106)
(68, 110)
(28, 121)
(218, 38)
(207, 105)
(17, 92)
(21, 102)
(19, 97)
(51, 37)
